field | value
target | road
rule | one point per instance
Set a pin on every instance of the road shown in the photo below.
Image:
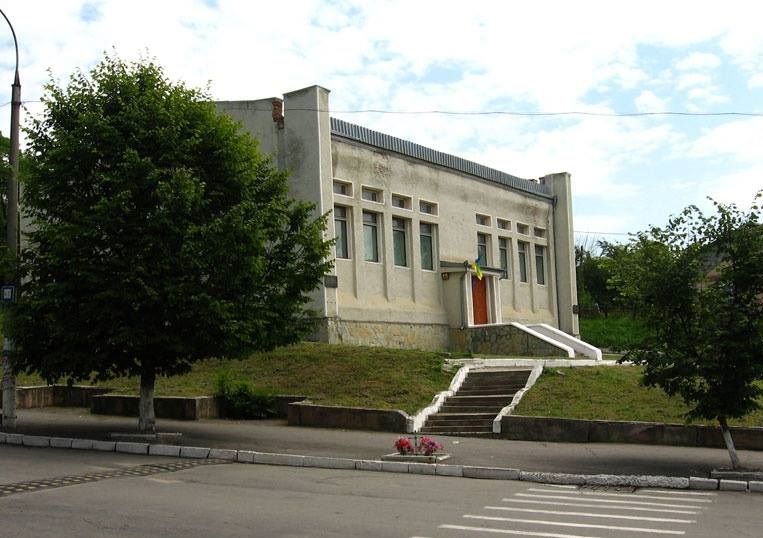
(49, 492)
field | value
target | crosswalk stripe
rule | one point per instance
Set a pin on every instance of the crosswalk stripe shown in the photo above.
(574, 525)
(605, 501)
(590, 514)
(510, 531)
(585, 505)
(681, 492)
(627, 495)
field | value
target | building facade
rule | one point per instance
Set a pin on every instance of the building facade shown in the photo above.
(409, 224)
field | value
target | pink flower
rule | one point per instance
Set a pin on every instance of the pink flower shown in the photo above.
(403, 446)
(428, 446)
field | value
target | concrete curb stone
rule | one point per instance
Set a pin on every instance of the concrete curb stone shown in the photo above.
(82, 444)
(490, 473)
(328, 462)
(291, 460)
(755, 485)
(368, 465)
(61, 442)
(668, 482)
(563, 479)
(732, 485)
(131, 448)
(394, 467)
(223, 454)
(696, 482)
(449, 470)
(2, 437)
(37, 441)
(14, 439)
(194, 452)
(245, 456)
(422, 468)
(164, 450)
(105, 446)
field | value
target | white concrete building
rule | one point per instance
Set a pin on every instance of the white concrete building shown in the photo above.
(408, 223)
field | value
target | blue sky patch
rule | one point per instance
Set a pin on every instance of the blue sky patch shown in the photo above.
(89, 12)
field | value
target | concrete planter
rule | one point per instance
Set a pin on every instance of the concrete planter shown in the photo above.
(415, 458)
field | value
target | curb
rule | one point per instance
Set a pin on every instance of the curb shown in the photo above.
(434, 469)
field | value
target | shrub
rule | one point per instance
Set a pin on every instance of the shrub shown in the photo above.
(240, 399)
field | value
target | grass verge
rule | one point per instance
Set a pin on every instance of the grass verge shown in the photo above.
(608, 393)
(327, 374)
(616, 333)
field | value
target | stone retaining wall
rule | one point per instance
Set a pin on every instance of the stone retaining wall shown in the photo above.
(56, 396)
(385, 334)
(521, 428)
(502, 339)
(350, 418)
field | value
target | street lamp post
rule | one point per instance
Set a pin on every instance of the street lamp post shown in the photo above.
(8, 419)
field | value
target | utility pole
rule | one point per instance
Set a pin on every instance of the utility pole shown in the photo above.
(10, 289)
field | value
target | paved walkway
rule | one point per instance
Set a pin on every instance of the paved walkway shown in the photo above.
(277, 436)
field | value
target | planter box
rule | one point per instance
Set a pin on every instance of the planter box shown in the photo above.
(415, 458)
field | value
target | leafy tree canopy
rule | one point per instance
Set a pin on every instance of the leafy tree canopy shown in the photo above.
(160, 235)
(698, 284)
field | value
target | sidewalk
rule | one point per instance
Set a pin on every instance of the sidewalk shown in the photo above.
(277, 437)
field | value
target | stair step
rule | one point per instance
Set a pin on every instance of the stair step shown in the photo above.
(447, 430)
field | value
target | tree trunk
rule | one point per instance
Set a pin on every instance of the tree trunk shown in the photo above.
(8, 419)
(729, 442)
(146, 417)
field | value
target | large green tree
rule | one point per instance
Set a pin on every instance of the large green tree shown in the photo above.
(698, 284)
(160, 235)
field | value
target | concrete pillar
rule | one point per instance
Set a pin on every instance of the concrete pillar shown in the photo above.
(307, 157)
(564, 252)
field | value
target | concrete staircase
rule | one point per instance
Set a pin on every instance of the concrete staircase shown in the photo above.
(470, 412)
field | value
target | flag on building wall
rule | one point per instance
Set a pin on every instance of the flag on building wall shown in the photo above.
(477, 270)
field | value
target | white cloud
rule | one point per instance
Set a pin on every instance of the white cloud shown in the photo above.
(698, 61)
(739, 140)
(647, 101)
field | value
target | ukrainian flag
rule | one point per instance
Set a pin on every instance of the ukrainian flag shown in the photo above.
(476, 269)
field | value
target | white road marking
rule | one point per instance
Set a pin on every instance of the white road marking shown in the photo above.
(627, 495)
(574, 525)
(508, 531)
(585, 505)
(681, 492)
(606, 501)
(589, 514)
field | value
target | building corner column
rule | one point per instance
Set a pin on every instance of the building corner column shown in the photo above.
(564, 253)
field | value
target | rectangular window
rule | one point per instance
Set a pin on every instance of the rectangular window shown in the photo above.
(539, 232)
(483, 220)
(372, 195)
(399, 241)
(343, 188)
(522, 250)
(430, 208)
(523, 229)
(482, 249)
(403, 202)
(340, 228)
(503, 224)
(540, 264)
(503, 254)
(426, 233)
(370, 236)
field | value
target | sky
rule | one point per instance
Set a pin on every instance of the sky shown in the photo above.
(490, 65)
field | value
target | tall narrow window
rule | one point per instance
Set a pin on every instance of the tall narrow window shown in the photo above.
(503, 254)
(540, 264)
(522, 250)
(399, 241)
(482, 249)
(370, 236)
(426, 239)
(340, 228)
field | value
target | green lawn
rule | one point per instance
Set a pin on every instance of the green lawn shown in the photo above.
(328, 374)
(616, 333)
(606, 393)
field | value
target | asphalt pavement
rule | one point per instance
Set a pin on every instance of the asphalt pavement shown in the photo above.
(277, 436)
